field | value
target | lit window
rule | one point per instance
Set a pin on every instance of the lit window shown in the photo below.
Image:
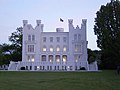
(43, 57)
(77, 48)
(76, 57)
(58, 49)
(58, 39)
(44, 39)
(30, 48)
(50, 58)
(33, 37)
(64, 58)
(64, 48)
(64, 39)
(51, 49)
(32, 58)
(51, 39)
(44, 49)
(57, 58)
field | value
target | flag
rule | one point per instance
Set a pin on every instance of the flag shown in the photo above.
(61, 20)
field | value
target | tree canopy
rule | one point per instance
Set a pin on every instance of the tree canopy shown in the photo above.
(13, 51)
(107, 29)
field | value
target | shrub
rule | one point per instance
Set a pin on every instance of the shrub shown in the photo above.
(22, 68)
(82, 68)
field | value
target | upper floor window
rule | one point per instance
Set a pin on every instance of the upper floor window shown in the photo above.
(44, 49)
(58, 39)
(44, 39)
(79, 37)
(77, 48)
(33, 37)
(64, 48)
(30, 48)
(51, 39)
(51, 49)
(29, 37)
(64, 39)
(58, 48)
(75, 37)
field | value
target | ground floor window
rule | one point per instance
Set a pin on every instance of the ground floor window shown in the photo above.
(51, 58)
(30, 58)
(57, 58)
(43, 57)
(64, 58)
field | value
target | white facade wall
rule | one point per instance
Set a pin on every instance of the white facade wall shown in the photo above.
(33, 44)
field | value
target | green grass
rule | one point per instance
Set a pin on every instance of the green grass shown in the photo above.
(105, 80)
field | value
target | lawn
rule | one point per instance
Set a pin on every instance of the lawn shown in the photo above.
(104, 80)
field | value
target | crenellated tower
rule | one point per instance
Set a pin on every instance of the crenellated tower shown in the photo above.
(78, 44)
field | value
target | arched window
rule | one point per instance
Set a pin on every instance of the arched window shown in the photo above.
(58, 48)
(64, 48)
(29, 37)
(43, 57)
(75, 37)
(32, 59)
(64, 58)
(51, 48)
(44, 48)
(79, 37)
(57, 58)
(51, 58)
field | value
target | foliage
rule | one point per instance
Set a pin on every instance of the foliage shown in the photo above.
(107, 29)
(91, 56)
(12, 52)
(16, 39)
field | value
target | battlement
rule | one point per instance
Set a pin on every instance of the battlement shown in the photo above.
(83, 24)
(29, 26)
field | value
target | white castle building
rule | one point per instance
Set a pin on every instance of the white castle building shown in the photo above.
(54, 51)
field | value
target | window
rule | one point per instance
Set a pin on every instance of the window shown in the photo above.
(28, 58)
(64, 58)
(51, 49)
(64, 48)
(64, 39)
(76, 57)
(43, 57)
(32, 59)
(30, 48)
(51, 58)
(77, 48)
(29, 37)
(57, 58)
(79, 37)
(44, 49)
(33, 37)
(75, 37)
(51, 39)
(58, 39)
(57, 48)
(44, 39)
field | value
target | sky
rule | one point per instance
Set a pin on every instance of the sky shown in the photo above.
(12, 12)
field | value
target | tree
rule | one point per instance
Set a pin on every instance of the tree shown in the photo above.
(16, 39)
(91, 56)
(107, 29)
